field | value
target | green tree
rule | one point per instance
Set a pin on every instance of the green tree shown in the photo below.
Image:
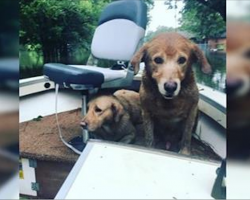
(203, 23)
(218, 6)
(150, 5)
(60, 30)
(202, 19)
(55, 26)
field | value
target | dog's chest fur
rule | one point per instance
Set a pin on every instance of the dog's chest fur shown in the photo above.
(173, 110)
(106, 132)
(107, 129)
(170, 110)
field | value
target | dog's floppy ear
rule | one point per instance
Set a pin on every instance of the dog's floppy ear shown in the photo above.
(201, 58)
(138, 58)
(117, 110)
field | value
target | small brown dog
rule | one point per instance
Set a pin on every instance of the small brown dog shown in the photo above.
(114, 117)
(168, 93)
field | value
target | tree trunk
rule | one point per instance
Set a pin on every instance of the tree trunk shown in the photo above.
(64, 54)
(45, 55)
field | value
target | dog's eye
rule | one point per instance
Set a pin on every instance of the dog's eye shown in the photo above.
(98, 110)
(158, 60)
(181, 60)
(247, 54)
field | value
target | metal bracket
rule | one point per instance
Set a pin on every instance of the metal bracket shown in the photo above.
(35, 186)
(32, 163)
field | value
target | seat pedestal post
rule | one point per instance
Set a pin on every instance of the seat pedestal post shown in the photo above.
(85, 134)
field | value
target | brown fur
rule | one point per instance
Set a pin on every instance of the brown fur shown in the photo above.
(170, 120)
(238, 44)
(238, 68)
(114, 117)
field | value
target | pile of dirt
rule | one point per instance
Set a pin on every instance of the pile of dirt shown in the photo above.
(39, 139)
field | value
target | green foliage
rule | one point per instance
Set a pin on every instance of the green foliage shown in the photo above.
(218, 6)
(56, 21)
(30, 59)
(57, 31)
(200, 18)
(159, 29)
(37, 119)
(150, 5)
(58, 25)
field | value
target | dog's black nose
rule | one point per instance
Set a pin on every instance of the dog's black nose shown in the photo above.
(84, 125)
(232, 85)
(170, 87)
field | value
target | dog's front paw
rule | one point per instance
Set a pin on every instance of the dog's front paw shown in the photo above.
(185, 151)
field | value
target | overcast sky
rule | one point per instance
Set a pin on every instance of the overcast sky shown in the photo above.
(236, 8)
(161, 16)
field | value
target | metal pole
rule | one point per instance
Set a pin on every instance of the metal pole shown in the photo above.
(85, 134)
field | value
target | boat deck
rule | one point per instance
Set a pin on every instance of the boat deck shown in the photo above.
(39, 139)
(43, 104)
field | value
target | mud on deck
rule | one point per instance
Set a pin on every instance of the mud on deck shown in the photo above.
(39, 139)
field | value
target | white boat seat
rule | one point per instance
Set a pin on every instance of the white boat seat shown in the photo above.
(109, 74)
(120, 29)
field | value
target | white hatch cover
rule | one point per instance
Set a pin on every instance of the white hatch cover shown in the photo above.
(111, 171)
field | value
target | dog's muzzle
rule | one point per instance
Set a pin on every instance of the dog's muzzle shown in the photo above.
(170, 88)
(84, 125)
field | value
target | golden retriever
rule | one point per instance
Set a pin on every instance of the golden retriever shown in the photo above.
(114, 117)
(169, 95)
